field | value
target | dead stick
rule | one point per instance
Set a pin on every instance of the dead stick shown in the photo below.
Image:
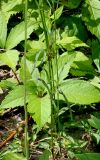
(8, 139)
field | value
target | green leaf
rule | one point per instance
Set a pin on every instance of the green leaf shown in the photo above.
(57, 13)
(10, 58)
(13, 156)
(70, 43)
(31, 71)
(96, 53)
(45, 156)
(36, 50)
(71, 3)
(94, 122)
(9, 4)
(73, 26)
(96, 138)
(96, 81)
(88, 156)
(64, 63)
(91, 16)
(35, 45)
(14, 98)
(3, 29)
(80, 92)
(8, 83)
(82, 65)
(10, 7)
(40, 109)
(17, 34)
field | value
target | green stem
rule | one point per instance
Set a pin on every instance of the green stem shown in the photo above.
(68, 105)
(25, 106)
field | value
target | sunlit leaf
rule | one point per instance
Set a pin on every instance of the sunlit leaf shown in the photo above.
(91, 16)
(13, 156)
(17, 34)
(15, 97)
(94, 122)
(40, 109)
(80, 92)
(82, 65)
(96, 53)
(88, 156)
(3, 29)
(57, 13)
(70, 43)
(10, 58)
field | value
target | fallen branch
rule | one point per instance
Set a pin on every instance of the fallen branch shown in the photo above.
(8, 139)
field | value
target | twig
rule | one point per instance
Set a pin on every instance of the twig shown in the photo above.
(8, 139)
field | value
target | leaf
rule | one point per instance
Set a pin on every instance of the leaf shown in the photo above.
(96, 138)
(88, 156)
(31, 71)
(3, 29)
(9, 4)
(71, 3)
(15, 97)
(80, 92)
(57, 13)
(82, 65)
(10, 58)
(96, 53)
(40, 109)
(35, 45)
(73, 26)
(91, 16)
(96, 81)
(64, 63)
(8, 83)
(45, 156)
(17, 34)
(70, 43)
(13, 156)
(36, 50)
(10, 7)
(94, 122)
